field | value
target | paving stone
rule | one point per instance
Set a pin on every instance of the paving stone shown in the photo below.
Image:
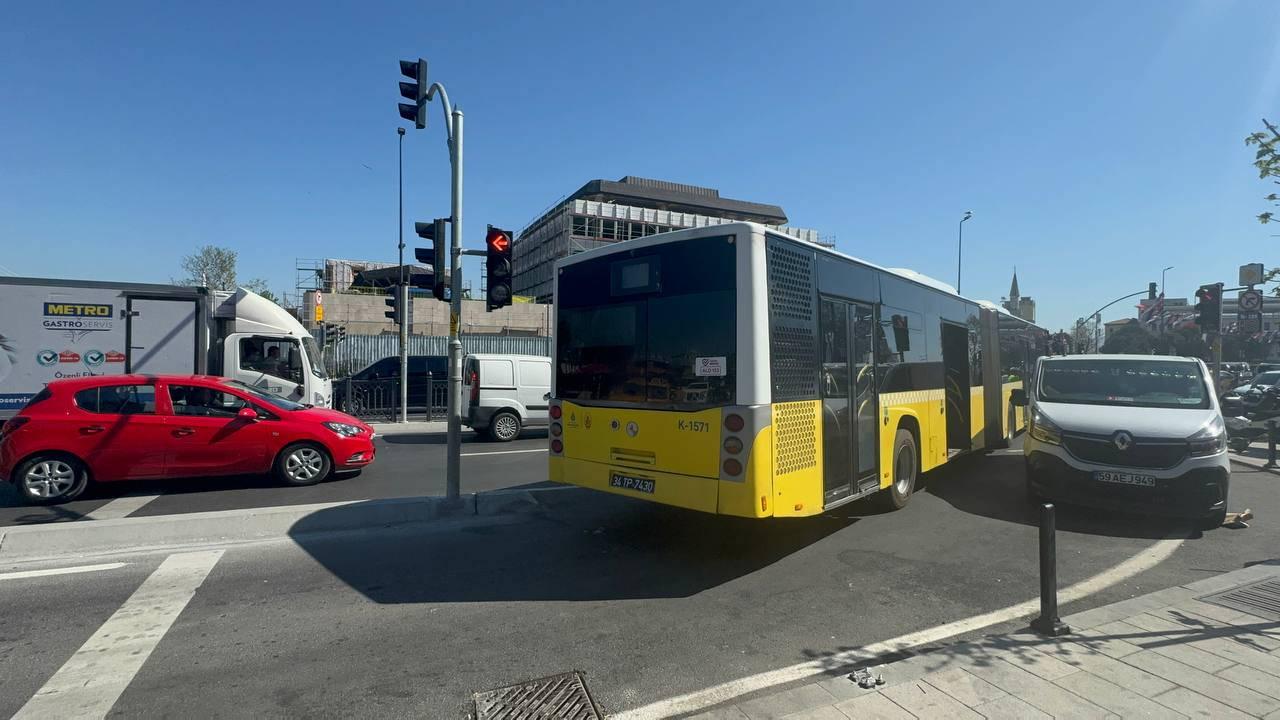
(725, 713)
(926, 702)
(1240, 651)
(1024, 654)
(1139, 681)
(825, 712)
(1254, 679)
(1177, 644)
(1036, 691)
(842, 688)
(873, 706)
(965, 687)
(1009, 708)
(1105, 643)
(1125, 703)
(1212, 686)
(773, 707)
(1217, 612)
(1195, 705)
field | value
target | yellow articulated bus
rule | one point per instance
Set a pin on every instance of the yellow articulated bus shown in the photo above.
(734, 370)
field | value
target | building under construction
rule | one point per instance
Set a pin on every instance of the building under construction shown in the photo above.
(604, 212)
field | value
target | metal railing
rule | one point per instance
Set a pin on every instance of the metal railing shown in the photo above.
(379, 400)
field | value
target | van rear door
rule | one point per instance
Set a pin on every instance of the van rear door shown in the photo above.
(535, 384)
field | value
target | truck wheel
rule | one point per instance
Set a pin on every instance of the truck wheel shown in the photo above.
(505, 426)
(906, 466)
(303, 464)
(51, 478)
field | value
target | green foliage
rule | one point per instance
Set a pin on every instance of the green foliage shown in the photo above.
(1131, 339)
(1187, 342)
(1267, 161)
(259, 286)
(210, 266)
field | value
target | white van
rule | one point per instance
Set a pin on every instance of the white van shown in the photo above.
(1135, 432)
(502, 394)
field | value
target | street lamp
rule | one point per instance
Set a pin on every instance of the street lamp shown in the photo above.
(1162, 272)
(960, 248)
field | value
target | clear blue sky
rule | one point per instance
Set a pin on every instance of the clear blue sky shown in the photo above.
(1096, 142)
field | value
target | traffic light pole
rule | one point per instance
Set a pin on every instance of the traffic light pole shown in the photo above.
(453, 477)
(404, 299)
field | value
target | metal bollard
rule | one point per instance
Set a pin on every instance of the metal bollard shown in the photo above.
(1271, 444)
(1048, 622)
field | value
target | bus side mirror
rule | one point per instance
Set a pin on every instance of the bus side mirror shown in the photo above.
(1018, 397)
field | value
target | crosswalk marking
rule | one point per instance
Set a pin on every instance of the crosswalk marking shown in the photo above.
(89, 684)
(120, 507)
(59, 571)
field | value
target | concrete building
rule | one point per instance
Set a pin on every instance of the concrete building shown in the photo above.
(1023, 307)
(365, 314)
(604, 212)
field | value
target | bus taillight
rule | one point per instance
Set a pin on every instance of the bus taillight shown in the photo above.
(555, 412)
(557, 446)
(732, 467)
(734, 422)
(732, 445)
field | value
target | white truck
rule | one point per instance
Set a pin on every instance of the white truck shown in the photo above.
(51, 329)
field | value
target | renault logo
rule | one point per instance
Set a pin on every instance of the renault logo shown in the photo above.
(1122, 440)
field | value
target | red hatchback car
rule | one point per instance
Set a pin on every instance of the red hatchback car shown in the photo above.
(134, 427)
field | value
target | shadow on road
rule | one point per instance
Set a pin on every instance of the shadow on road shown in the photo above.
(468, 437)
(994, 486)
(578, 547)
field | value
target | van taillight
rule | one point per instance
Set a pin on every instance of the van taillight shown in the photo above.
(475, 386)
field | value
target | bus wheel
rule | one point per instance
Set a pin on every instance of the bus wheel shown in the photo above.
(906, 466)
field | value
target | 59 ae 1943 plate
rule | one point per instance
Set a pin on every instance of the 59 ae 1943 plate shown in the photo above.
(559, 697)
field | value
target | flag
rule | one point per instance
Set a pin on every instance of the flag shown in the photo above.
(1152, 309)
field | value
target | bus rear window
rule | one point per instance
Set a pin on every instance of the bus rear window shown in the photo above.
(654, 327)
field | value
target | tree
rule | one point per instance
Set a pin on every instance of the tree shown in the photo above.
(259, 286)
(1131, 339)
(1187, 342)
(211, 266)
(1267, 161)
(1081, 337)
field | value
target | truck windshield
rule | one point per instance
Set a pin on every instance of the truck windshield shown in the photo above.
(1134, 383)
(653, 327)
(314, 357)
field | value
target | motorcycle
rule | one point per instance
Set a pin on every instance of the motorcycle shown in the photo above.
(1246, 416)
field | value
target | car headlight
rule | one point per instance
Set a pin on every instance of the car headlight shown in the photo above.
(1210, 439)
(343, 429)
(1043, 429)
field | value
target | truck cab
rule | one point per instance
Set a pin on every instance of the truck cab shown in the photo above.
(264, 346)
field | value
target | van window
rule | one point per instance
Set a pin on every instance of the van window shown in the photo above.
(118, 399)
(534, 373)
(496, 373)
(277, 357)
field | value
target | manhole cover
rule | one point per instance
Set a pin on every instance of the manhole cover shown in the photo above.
(1261, 599)
(559, 697)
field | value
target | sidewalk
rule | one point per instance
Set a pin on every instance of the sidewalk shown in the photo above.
(1188, 651)
(410, 428)
(1255, 456)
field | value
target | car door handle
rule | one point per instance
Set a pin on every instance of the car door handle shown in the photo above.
(180, 432)
(91, 429)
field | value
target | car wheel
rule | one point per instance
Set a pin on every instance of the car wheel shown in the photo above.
(49, 479)
(303, 464)
(906, 466)
(505, 426)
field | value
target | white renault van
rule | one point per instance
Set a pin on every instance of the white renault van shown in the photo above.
(1134, 432)
(502, 394)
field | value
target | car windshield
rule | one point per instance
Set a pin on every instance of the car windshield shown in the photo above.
(1133, 383)
(1267, 378)
(266, 397)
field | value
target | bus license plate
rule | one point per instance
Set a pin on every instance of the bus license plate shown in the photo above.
(627, 482)
(1123, 478)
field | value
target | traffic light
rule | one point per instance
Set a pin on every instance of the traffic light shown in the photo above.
(437, 256)
(1209, 308)
(498, 268)
(415, 91)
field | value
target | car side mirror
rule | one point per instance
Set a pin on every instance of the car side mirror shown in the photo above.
(247, 413)
(1018, 397)
(546, 396)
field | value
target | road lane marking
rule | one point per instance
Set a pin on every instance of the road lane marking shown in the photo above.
(503, 452)
(724, 692)
(91, 682)
(59, 571)
(120, 507)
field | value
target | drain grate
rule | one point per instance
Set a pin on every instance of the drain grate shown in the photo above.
(1261, 599)
(559, 697)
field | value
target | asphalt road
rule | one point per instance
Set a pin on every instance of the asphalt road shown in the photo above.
(649, 602)
(407, 465)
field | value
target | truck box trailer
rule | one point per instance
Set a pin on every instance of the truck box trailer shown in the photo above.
(51, 329)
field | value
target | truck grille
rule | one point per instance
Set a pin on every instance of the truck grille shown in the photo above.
(1143, 453)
